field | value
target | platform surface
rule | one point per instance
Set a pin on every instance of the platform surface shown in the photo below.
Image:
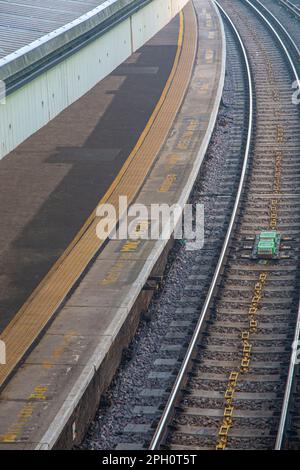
(42, 395)
(79, 152)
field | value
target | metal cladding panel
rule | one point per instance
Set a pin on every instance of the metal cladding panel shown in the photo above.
(85, 69)
(149, 20)
(36, 103)
(32, 52)
(26, 111)
(24, 21)
(177, 6)
(57, 90)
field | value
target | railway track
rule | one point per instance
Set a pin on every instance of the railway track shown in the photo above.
(237, 385)
(291, 7)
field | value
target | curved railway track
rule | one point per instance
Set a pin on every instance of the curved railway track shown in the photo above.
(279, 15)
(291, 7)
(237, 383)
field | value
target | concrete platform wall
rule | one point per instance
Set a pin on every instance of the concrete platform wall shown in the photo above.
(35, 104)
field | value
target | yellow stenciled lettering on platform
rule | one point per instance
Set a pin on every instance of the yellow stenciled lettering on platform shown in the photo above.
(56, 354)
(209, 55)
(193, 125)
(39, 393)
(172, 160)
(186, 138)
(185, 141)
(167, 183)
(113, 275)
(24, 415)
(131, 245)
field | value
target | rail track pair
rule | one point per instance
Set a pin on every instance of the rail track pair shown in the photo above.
(237, 386)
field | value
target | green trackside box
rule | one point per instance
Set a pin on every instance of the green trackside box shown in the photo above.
(266, 248)
(267, 245)
(268, 236)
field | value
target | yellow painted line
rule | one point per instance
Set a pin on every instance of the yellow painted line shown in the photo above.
(40, 307)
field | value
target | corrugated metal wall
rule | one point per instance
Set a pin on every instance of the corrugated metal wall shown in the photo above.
(34, 105)
(24, 21)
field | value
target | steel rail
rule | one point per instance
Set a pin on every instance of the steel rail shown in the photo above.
(285, 32)
(293, 362)
(291, 7)
(169, 410)
(289, 388)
